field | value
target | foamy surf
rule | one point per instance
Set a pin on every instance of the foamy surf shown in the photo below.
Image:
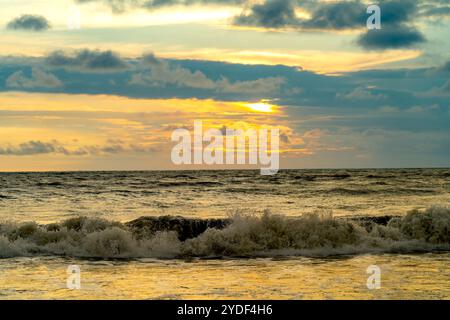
(267, 235)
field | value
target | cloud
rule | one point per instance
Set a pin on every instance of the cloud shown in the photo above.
(260, 86)
(36, 147)
(397, 19)
(270, 14)
(117, 6)
(157, 78)
(442, 91)
(320, 15)
(105, 72)
(435, 11)
(445, 67)
(29, 22)
(33, 148)
(391, 38)
(161, 73)
(360, 94)
(418, 109)
(398, 30)
(120, 6)
(337, 16)
(87, 60)
(38, 79)
(388, 109)
(398, 12)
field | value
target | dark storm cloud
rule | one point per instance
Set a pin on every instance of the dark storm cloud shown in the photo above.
(88, 60)
(324, 15)
(397, 18)
(398, 12)
(337, 16)
(394, 37)
(270, 14)
(398, 30)
(29, 22)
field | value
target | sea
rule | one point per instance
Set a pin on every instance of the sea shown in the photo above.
(226, 234)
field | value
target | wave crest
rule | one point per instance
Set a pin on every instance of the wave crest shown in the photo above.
(318, 234)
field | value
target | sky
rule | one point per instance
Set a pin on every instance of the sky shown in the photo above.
(102, 84)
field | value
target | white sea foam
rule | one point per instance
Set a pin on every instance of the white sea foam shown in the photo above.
(244, 236)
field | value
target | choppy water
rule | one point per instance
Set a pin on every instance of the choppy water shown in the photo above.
(123, 196)
(288, 256)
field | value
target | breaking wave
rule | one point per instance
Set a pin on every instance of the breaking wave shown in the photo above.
(272, 235)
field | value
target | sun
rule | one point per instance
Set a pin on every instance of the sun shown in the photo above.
(261, 107)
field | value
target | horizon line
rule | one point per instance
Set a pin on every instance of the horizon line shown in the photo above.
(241, 169)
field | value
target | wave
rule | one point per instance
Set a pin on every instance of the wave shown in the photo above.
(269, 235)
(305, 177)
(323, 176)
(347, 191)
(336, 176)
(189, 183)
(392, 190)
(2, 196)
(380, 176)
(50, 184)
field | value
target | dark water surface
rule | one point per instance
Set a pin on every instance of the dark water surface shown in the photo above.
(123, 196)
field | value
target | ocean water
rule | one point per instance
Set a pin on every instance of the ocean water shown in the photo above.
(300, 234)
(123, 196)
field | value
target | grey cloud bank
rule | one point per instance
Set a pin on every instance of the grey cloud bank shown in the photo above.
(29, 22)
(105, 72)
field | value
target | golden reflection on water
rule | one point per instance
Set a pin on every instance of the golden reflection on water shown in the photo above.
(425, 276)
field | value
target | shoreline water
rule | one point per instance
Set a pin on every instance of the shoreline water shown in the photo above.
(407, 276)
